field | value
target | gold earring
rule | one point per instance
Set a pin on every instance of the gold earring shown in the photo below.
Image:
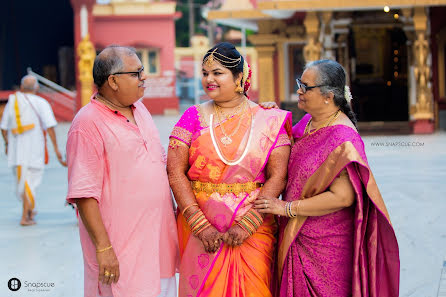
(239, 88)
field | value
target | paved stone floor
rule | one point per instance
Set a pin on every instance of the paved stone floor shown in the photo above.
(412, 180)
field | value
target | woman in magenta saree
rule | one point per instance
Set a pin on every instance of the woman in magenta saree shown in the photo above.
(218, 166)
(335, 235)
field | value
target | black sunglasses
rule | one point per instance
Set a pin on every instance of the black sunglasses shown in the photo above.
(132, 72)
(304, 87)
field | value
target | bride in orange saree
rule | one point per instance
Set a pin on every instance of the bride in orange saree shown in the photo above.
(223, 155)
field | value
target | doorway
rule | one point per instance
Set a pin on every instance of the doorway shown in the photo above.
(379, 79)
(36, 34)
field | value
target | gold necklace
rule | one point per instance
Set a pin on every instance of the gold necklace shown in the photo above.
(227, 139)
(106, 101)
(331, 119)
(229, 115)
(220, 152)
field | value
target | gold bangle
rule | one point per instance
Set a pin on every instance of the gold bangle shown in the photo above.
(187, 207)
(104, 249)
(297, 209)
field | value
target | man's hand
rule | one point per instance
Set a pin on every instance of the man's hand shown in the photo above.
(211, 239)
(235, 236)
(108, 267)
(60, 159)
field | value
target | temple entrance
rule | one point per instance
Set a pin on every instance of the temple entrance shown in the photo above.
(36, 34)
(379, 75)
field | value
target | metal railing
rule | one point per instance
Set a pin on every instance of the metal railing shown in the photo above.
(55, 93)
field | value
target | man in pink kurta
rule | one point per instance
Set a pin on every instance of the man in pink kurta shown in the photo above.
(115, 159)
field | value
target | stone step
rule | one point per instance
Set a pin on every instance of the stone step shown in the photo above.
(384, 128)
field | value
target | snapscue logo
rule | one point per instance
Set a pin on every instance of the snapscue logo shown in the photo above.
(14, 284)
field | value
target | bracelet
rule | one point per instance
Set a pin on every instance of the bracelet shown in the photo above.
(104, 249)
(298, 204)
(288, 209)
(187, 207)
(250, 222)
(197, 222)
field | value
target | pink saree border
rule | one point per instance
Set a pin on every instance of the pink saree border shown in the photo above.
(288, 117)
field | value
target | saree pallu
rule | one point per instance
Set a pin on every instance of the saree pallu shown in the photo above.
(225, 194)
(351, 252)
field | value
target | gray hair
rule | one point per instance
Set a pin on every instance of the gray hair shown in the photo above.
(109, 61)
(29, 83)
(332, 76)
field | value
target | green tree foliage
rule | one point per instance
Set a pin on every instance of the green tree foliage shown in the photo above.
(182, 24)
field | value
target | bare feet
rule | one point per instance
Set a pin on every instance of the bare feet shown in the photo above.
(31, 215)
(24, 222)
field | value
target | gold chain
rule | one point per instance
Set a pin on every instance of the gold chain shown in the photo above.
(106, 101)
(331, 119)
(227, 139)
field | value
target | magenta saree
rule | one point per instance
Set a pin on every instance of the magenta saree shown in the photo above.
(352, 252)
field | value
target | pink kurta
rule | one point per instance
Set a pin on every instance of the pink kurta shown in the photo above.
(122, 166)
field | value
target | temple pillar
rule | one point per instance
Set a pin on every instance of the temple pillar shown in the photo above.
(264, 43)
(422, 111)
(281, 70)
(328, 36)
(266, 73)
(85, 51)
(86, 55)
(312, 50)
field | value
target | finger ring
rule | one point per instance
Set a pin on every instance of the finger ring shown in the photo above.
(235, 242)
(112, 275)
(106, 273)
(216, 242)
(265, 205)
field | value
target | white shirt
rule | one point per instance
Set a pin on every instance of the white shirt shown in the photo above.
(27, 149)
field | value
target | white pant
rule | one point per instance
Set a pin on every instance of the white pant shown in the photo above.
(168, 287)
(28, 179)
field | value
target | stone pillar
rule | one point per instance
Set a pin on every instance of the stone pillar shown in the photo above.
(86, 54)
(423, 108)
(85, 51)
(343, 54)
(328, 36)
(281, 69)
(264, 43)
(266, 73)
(411, 82)
(312, 50)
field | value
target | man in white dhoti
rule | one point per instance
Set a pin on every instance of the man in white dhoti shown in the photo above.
(26, 119)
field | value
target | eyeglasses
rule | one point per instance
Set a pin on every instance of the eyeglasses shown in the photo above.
(304, 87)
(139, 72)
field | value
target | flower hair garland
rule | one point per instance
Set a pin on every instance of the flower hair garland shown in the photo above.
(246, 77)
(347, 94)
